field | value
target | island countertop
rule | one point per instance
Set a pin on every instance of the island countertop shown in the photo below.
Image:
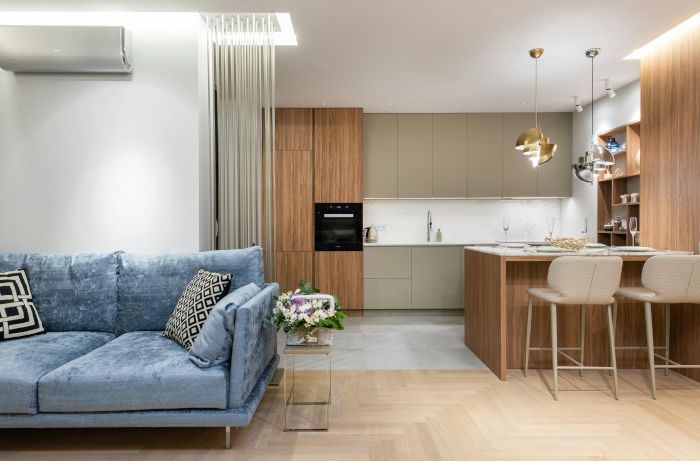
(496, 280)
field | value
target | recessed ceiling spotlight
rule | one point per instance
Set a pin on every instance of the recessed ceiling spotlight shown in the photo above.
(458, 103)
(523, 103)
(577, 103)
(390, 104)
(324, 104)
(57, 50)
(608, 87)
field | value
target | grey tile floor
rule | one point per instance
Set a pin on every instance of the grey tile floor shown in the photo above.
(398, 340)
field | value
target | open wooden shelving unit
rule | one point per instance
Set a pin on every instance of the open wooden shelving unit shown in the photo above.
(609, 190)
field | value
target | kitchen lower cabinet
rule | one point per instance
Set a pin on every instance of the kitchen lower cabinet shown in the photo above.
(420, 277)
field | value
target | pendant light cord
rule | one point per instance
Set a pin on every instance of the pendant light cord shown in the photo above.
(537, 124)
(592, 104)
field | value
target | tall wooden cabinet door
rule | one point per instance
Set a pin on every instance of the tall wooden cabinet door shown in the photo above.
(338, 155)
(415, 155)
(519, 177)
(554, 177)
(450, 148)
(294, 200)
(380, 155)
(484, 159)
(294, 129)
(339, 273)
(293, 266)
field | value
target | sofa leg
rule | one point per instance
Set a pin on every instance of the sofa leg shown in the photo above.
(228, 437)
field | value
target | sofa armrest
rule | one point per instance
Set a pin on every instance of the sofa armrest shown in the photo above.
(254, 342)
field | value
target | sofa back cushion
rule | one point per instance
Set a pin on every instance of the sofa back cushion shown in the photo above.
(71, 292)
(150, 285)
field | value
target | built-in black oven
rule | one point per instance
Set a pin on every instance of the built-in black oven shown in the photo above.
(338, 226)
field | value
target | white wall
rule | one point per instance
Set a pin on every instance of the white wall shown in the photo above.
(609, 113)
(462, 221)
(98, 163)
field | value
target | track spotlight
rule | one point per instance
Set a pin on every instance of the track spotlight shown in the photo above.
(608, 87)
(577, 103)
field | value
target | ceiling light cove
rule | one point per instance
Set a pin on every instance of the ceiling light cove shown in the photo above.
(680, 29)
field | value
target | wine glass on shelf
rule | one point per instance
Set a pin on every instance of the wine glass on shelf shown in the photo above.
(633, 229)
(550, 226)
(506, 226)
(584, 227)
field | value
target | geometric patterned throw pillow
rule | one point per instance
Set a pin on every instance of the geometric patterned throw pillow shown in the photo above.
(193, 307)
(18, 316)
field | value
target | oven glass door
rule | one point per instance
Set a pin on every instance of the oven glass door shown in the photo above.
(338, 226)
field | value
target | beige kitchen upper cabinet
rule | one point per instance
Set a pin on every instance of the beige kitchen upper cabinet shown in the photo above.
(554, 177)
(484, 159)
(415, 155)
(450, 155)
(381, 155)
(519, 177)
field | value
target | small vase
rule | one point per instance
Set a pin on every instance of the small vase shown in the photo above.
(613, 146)
(317, 337)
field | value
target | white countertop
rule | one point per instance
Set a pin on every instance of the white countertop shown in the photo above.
(424, 244)
(609, 251)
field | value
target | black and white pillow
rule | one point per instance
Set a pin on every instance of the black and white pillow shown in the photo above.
(192, 310)
(18, 316)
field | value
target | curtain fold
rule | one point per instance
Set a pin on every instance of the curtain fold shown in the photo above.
(242, 94)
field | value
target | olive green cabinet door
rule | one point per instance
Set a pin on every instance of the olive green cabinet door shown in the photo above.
(519, 177)
(415, 155)
(484, 159)
(450, 149)
(380, 155)
(387, 262)
(554, 177)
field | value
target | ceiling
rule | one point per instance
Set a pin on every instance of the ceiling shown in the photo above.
(441, 55)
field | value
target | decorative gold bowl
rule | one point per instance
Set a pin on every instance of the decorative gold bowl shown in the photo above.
(568, 243)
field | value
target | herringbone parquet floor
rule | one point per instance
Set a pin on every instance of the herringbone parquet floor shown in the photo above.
(424, 415)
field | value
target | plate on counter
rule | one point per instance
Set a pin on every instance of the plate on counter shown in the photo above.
(513, 245)
(595, 245)
(550, 249)
(633, 249)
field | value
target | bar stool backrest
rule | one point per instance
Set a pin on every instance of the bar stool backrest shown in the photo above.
(585, 279)
(674, 278)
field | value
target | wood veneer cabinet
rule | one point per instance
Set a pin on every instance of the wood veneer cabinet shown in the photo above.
(294, 200)
(415, 155)
(294, 129)
(450, 155)
(340, 273)
(485, 159)
(380, 155)
(293, 266)
(338, 155)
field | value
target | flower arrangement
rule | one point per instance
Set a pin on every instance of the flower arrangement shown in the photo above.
(567, 243)
(305, 314)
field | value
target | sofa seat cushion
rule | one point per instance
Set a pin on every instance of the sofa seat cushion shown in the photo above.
(140, 370)
(26, 360)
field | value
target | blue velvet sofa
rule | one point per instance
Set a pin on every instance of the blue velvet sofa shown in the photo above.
(103, 361)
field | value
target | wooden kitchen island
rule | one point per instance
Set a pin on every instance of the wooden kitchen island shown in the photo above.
(496, 281)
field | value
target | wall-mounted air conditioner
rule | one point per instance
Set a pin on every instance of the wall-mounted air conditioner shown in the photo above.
(65, 49)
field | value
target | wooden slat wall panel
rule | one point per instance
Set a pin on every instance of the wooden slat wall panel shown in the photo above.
(340, 273)
(670, 167)
(294, 198)
(338, 155)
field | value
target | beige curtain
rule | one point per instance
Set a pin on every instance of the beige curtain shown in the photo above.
(242, 98)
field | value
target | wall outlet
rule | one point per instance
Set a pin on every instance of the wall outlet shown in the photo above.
(380, 227)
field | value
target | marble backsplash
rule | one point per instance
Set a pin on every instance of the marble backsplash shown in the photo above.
(461, 221)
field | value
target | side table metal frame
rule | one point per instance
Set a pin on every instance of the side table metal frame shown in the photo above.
(289, 397)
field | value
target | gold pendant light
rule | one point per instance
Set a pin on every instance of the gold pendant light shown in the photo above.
(533, 143)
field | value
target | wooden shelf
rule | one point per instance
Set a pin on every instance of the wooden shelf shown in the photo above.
(626, 204)
(612, 232)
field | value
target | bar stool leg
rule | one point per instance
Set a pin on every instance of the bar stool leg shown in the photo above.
(582, 334)
(555, 352)
(650, 347)
(527, 336)
(614, 315)
(611, 333)
(668, 335)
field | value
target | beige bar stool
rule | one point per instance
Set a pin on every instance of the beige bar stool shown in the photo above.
(666, 279)
(582, 280)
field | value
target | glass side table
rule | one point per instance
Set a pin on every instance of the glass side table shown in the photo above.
(307, 395)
